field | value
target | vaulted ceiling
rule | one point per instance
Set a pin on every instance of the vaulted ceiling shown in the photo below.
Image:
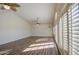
(44, 12)
(30, 11)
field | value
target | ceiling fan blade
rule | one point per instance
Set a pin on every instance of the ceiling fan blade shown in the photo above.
(15, 5)
(11, 4)
(13, 8)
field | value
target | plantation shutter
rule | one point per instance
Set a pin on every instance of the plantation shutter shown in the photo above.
(65, 34)
(70, 30)
(75, 29)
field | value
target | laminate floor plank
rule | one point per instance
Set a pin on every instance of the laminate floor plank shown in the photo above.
(31, 46)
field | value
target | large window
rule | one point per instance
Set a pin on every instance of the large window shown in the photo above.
(73, 25)
(70, 30)
(65, 33)
(75, 29)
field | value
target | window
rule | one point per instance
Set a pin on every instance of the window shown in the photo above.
(68, 29)
(65, 33)
(71, 30)
(75, 29)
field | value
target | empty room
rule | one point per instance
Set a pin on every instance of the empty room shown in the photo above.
(39, 28)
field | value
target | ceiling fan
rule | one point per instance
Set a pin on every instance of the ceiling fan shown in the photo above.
(9, 6)
(36, 21)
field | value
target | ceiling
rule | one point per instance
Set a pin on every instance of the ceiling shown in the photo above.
(30, 11)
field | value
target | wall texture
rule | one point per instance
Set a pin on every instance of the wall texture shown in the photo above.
(12, 27)
(42, 30)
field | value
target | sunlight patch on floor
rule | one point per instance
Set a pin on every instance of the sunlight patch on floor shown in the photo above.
(42, 44)
(38, 48)
(42, 39)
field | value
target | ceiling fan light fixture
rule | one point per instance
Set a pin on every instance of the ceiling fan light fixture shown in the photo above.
(6, 7)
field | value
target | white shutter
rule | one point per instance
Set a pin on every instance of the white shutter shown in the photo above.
(65, 33)
(70, 30)
(75, 29)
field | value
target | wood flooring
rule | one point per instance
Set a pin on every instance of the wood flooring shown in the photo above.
(30, 46)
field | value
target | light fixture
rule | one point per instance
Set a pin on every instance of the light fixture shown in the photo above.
(37, 24)
(6, 7)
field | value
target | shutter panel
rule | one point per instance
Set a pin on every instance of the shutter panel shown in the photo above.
(70, 30)
(65, 33)
(75, 29)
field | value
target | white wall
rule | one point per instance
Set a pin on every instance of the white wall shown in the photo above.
(42, 30)
(12, 27)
